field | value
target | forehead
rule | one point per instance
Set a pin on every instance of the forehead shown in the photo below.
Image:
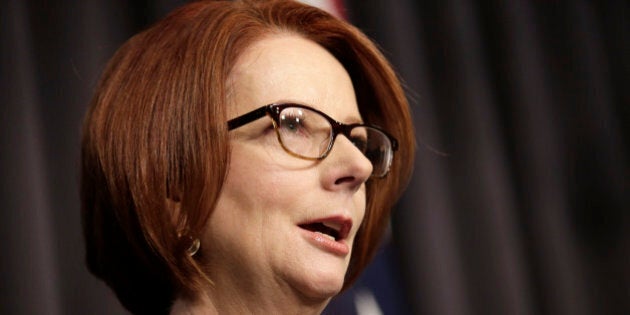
(289, 68)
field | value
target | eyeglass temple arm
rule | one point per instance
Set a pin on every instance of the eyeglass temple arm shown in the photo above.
(247, 118)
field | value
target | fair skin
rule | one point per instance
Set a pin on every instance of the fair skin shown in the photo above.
(258, 255)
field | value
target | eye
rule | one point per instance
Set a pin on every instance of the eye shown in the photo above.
(293, 123)
(360, 142)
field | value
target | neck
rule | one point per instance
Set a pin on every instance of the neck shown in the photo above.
(228, 302)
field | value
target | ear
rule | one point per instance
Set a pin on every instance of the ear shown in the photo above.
(173, 204)
(174, 208)
(187, 241)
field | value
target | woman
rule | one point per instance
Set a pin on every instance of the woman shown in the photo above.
(238, 157)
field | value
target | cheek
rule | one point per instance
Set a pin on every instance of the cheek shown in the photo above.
(359, 199)
(262, 180)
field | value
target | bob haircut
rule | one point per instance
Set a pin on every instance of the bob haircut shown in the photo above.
(156, 136)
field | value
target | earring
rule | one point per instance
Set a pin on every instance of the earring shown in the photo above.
(195, 243)
(194, 247)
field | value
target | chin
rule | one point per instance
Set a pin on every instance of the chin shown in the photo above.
(322, 286)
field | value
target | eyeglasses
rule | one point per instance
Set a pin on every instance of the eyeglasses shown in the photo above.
(307, 133)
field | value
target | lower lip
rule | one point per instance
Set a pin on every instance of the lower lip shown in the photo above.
(339, 248)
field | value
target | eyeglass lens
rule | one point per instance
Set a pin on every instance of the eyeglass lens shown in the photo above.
(308, 134)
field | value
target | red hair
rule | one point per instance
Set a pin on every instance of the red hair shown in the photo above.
(156, 132)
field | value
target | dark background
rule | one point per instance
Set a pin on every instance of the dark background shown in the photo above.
(519, 202)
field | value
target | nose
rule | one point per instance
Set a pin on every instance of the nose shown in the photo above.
(345, 167)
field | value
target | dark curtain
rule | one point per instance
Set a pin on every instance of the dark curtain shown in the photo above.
(519, 200)
(519, 203)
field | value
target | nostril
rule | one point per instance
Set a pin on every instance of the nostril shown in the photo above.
(346, 179)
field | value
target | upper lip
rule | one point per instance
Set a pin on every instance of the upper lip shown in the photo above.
(339, 223)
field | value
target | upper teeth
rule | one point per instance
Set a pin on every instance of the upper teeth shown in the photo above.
(333, 225)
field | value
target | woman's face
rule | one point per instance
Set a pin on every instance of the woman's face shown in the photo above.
(264, 238)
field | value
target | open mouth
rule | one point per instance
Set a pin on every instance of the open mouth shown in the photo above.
(322, 229)
(334, 229)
